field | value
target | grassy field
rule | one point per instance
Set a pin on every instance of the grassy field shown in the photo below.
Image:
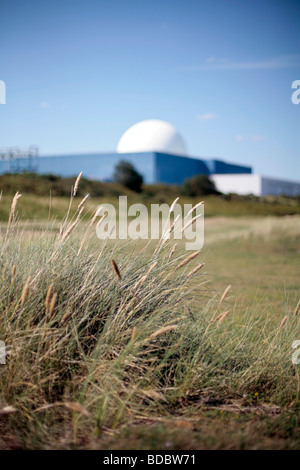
(140, 353)
(47, 196)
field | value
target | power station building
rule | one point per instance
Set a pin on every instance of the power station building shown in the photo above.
(158, 152)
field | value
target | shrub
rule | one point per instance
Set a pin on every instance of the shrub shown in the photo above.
(126, 174)
(198, 185)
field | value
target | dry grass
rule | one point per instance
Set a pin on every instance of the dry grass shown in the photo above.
(98, 337)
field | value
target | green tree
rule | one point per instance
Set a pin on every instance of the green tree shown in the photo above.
(126, 174)
(198, 185)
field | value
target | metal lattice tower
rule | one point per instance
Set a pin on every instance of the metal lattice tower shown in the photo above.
(20, 159)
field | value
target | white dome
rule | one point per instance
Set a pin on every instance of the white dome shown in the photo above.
(151, 136)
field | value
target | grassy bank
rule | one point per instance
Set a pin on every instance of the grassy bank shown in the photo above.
(33, 207)
(47, 196)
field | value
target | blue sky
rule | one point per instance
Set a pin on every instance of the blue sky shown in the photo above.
(80, 72)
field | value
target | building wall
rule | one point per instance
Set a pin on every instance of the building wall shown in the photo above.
(97, 166)
(278, 187)
(220, 167)
(155, 167)
(255, 184)
(172, 169)
(240, 184)
(93, 166)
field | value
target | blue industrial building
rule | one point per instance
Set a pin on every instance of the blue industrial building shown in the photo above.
(153, 147)
(159, 154)
(156, 167)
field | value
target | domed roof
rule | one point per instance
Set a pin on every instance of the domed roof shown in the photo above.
(152, 135)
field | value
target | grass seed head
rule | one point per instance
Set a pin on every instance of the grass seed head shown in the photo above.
(14, 206)
(225, 293)
(297, 309)
(195, 270)
(77, 184)
(116, 269)
(71, 228)
(80, 205)
(52, 304)
(25, 292)
(134, 333)
(163, 330)
(284, 320)
(172, 251)
(48, 296)
(222, 317)
(13, 275)
(188, 259)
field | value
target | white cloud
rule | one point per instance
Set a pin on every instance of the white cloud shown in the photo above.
(206, 116)
(289, 61)
(45, 105)
(257, 138)
(253, 138)
(214, 60)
